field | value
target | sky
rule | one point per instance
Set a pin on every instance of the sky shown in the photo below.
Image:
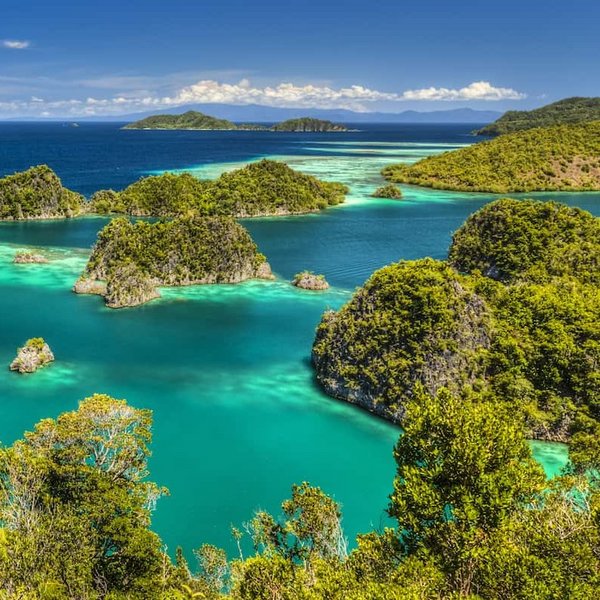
(87, 58)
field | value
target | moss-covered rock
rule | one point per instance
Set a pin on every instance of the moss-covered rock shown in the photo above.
(37, 194)
(24, 257)
(34, 354)
(414, 322)
(134, 258)
(513, 240)
(310, 281)
(390, 191)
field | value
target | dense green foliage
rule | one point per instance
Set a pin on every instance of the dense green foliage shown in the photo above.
(308, 124)
(530, 341)
(134, 258)
(524, 239)
(563, 157)
(412, 322)
(475, 519)
(163, 195)
(263, 188)
(272, 188)
(388, 191)
(569, 110)
(188, 120)
(37, 194)
(75, 506)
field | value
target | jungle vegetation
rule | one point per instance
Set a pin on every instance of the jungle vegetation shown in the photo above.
(37, 193)
(513, 315)
(569, 110)
(259, 189)
(559, 158)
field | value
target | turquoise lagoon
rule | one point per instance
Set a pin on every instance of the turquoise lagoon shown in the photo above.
(226, 369)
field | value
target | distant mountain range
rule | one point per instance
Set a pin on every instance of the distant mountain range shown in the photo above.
(254, 113)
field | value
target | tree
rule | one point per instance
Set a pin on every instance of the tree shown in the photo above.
(75, 503)
(464, 468)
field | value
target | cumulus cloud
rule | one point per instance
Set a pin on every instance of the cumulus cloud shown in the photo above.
(16, 44)
(478, 90)
(282, 95)
(287, 95)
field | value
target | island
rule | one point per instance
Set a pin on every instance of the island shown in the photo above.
(569, 110)
(33, 355)
(190, 120)
(131, 260)
(390, 191)
(308, 125)
(513, 315)
(558, 158)
(310, 281)
(199, 121)
(263, 188)
(23, 257)
(37, 193)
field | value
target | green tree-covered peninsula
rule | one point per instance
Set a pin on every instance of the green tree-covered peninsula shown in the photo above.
(558, 158)
(569, 110)
(513, 314)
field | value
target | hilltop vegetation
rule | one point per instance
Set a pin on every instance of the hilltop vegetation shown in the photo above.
(188, 120)
(561, 158)
(259, 189)
(532, 342)
(569, 110)
(134, 258)
(197, 120)
(308, 124)
(37, 194)
(473, 518)
(526, 240)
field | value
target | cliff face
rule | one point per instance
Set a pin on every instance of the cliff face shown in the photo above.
(412, 323)
(37, 194)
(136, 258)
(34, 354)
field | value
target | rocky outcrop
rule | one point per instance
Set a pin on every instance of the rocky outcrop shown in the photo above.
(390, 191)
(34, 354)
(29, 258)
(412, 324)
(309, 281)
(131, 260)
(129, 286)
(87, 285)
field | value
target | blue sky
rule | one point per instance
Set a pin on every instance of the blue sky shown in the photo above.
(85, 57)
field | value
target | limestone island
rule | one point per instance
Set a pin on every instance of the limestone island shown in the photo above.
(263, 188)
(569, 110)
(310, 281)
(33, 355)
(390, 191)
(23, 257)
(190, 120)
(37, 193)
(512, 316)
(308, 125)
(558, 158)
(131, 260)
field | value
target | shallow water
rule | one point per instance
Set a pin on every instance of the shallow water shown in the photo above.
(225, 369)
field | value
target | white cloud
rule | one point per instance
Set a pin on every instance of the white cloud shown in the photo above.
(288, 95)
(16, 44)
(478, 90)
(282, 95)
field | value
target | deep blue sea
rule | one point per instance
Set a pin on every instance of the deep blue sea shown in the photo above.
(238, 417)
